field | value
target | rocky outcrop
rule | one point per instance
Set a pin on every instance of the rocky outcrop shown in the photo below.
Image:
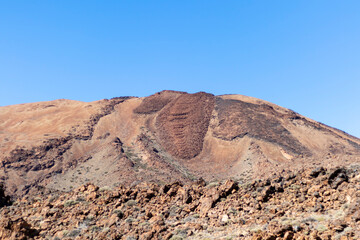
(238, 119)
(286, 206)
(16, 229)
(183, 123)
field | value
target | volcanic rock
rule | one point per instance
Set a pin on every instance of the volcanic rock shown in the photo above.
(144, 211)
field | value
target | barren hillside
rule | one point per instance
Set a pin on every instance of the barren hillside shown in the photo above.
(168, 136)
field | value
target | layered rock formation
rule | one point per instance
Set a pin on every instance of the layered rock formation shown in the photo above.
(183, 124)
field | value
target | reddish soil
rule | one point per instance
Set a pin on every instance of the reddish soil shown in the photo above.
(183, 123)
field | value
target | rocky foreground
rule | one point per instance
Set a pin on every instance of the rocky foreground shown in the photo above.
(310, 204)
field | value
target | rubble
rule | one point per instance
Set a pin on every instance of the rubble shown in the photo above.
(304, 206)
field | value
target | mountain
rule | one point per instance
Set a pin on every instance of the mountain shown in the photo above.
(60, 145)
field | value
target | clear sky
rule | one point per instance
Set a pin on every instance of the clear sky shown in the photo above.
(303, 55)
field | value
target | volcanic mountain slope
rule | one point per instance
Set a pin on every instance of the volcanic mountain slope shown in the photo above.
(168, 136)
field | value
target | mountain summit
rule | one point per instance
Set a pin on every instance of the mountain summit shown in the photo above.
(62, 144)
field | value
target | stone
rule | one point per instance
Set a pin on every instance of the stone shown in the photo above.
(224, 218)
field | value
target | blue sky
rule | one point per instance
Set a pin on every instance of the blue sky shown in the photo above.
(303, 55)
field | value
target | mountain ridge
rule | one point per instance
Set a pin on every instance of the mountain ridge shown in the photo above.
(167, 136)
